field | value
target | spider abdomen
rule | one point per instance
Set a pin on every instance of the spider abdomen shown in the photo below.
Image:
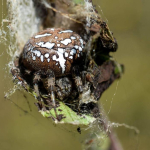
(54, 49)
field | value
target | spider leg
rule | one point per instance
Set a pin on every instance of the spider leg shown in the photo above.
(17, 75)
(77, 79)
(36, 79)
(51, 89)
(51, 86)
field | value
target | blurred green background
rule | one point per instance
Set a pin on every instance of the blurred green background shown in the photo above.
(126, 101)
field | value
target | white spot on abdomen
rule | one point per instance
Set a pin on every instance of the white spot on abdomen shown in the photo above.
(80, 49)
(71, 57)
(61, 50)
(42, 35)
(73, 37)
(37, 53)
(76, 46)
(66, 54)
(61, 60)
(66, 41)
(42, 58)
(66, 31)
(81, 41)
(72, 52)
(54, 57)
(46, 55)
(46, 45)
(34, 58)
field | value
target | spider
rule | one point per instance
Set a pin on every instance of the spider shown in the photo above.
(54, 58)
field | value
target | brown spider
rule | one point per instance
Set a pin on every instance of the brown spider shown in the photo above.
(54, 58)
